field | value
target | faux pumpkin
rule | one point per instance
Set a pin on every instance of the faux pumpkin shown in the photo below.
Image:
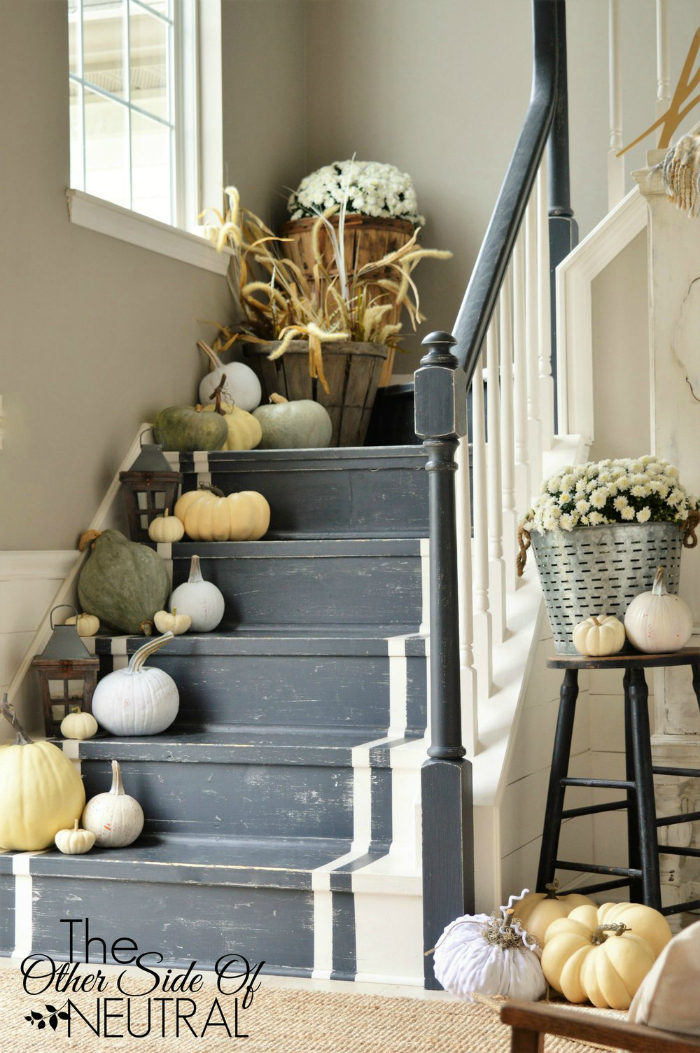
(598, 636)
(174, 623)
(79, 725)
(490, 956)
(114, 818)
(605, 964)
(75, 842)
(537, 910)
(200, 599)
(137, 700)
(166, 529)
(298, 425)
(40, 788)
(87, 624)
(122, 583)
(189, 428)
(241, 388)
(658, 622)
(209, 515)
(641, 920)
(244, 430)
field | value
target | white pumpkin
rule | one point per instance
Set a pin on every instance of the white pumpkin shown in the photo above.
(657, 622)
(166, 528)
(74, 842)
(114, 818)
(174, 623)
(88, 624)
(137, 700)
(199, 599)
(599, 636)
(242, 388)
(211, 515)
(478, 954)
(79, 725)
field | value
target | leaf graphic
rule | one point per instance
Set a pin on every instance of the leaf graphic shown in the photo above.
(41, 1024)
(53, 1022)
(29, 1019)
(64, 1016)
(37, 1016)
(51, 1008)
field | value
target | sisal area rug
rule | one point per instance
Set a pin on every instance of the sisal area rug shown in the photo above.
(279, 1020)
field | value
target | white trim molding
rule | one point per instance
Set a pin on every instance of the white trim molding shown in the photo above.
(50, 564)
(574, 279)
(106, 218)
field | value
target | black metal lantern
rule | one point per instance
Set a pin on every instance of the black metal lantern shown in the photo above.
(67, 673)
(149, 487)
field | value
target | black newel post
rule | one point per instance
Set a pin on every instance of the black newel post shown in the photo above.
(446, 786)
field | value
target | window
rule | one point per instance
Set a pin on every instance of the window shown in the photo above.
(133, 105)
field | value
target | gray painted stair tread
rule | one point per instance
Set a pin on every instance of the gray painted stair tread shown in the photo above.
(246, 642)
(324, 459)
(306, 548)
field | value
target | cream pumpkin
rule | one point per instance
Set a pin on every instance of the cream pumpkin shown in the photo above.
(79, 726)
(537, 910)
(244, 430)
(166, 529)
(87, 624)
(599, 636)
(641, 920)
(75, 842)
(174, 623)
(209, 515)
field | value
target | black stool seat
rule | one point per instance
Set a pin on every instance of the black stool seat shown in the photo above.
(642, 872)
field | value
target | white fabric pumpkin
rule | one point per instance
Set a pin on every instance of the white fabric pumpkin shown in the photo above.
(598, 636)
(136, 700)
(665, 999)
(657, 622)
(478, 954)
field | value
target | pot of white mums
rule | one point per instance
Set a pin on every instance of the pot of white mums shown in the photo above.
(599, 531)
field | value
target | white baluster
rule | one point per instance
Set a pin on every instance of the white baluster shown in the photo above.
(483, 639)
(544, 318)
(534, 438)
(510, 517)
(522, 466)
(616, 165)
(663, 76)
(467, 669)
(497, 574)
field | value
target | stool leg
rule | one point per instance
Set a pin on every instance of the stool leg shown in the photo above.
(646, 805)
(559, 770)
(695, 665)
(636, 889)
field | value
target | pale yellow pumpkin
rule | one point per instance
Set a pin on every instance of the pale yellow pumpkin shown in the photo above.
(175, 623)
(244, 430)
(537, 910)
(599, 635)
(40, 788)
(166, 529)
(75, 842)
(641, 920)
(208, 515)
(79, 726)
(88, 624)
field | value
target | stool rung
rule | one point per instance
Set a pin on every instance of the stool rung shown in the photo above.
(685, 773)
(608, 784)
(591, 809)
(587, 890)
(691, 904)
(673, 850)
(671, 820)
(590, 868)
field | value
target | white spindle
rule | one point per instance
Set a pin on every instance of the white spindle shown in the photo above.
(534, 438)
(497, 576)
(510, 518)
(544, 319)
(616, 165)
(483, 638)
(663, 75)
(520, 423)
(467, 669)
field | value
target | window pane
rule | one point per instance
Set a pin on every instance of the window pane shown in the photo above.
(150, 160)
(76, 136)
(107, 148)
(74, 35)
(161, 6)
(104, 35)
(149, 62)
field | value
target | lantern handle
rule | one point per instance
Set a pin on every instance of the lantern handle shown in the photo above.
(70, 608)
(156, 432)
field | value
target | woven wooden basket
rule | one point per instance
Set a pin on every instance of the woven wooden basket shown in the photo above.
(366, 239)
(352, 371)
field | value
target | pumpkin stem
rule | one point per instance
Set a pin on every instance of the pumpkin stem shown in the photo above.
(552, 889)
(117, 786)
(218, 392)
(211, 355)
(75, 824)
(146, 628)
(594, 620)
(195, 570)
(499, 931)
(149, 648)
(659, 588)
(600, 934)
(86, 539)
(211, 489)
(8, 713)
(278, 400)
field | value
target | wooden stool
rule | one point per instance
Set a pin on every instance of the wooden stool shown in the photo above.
(642, 872)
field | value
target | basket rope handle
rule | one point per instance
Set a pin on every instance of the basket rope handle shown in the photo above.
(524, 543)
(689, 526)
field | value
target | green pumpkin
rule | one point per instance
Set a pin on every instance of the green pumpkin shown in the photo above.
(123, 583)
(300, 425)
(187, 428)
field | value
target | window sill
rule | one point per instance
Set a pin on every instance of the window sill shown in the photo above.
(117, 222)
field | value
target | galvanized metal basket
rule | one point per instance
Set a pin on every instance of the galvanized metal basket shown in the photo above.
(599, 570)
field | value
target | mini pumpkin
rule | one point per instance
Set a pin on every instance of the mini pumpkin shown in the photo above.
(201, 600)
(244, 430)
(87, 624)
(75, 842)
(174, 623)
(537, 910)
(115, 818)
(599, 635)
(658, 622)
(166, 529)
(79, 725)
(210, 515)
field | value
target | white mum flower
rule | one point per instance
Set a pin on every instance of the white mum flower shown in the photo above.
(644, 514)
(582, 506)
(641, 491)
(566, 522)
(595, 519)
(599, 497)
(619, 503)
(554, 484)
(565, 497)
(627, 513)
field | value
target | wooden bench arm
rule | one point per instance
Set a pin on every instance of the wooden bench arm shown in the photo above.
(531, 1021)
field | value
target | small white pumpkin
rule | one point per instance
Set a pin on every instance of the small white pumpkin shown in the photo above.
(174, 623)
(242, 387)
(114, 818)
(79, 725)
(599, 635)
(74, 842)
(137, 700)
(166, 529)
(658, 622)
(478, 954)
(88, 624)
(200, 599)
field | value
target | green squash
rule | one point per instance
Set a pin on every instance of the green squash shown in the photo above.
(188, 428)
(123, 583)
(300, 425)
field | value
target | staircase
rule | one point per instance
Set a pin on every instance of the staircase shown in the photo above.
(282, 807)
